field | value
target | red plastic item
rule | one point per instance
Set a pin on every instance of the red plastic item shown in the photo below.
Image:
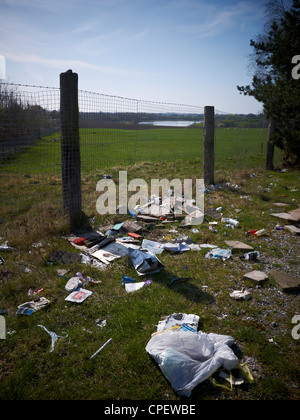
(251, 232)
(79, 241)
(134, 235)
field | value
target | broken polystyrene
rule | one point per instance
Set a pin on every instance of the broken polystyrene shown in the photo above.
(73, 284)
(53, 336)
(241, 294)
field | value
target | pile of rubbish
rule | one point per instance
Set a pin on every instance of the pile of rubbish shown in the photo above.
(185, 355)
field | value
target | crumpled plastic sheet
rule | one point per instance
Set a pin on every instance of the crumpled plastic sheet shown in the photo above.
(187, 357)
(54, 337)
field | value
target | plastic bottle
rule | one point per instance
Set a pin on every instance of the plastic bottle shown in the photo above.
(232, 222)
(251, 232)
(260, 232)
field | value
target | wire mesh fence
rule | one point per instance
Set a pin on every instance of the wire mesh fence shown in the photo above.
(113, 132)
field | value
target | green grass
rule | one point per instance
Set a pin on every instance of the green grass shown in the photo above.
(104, 148)
(124, 370)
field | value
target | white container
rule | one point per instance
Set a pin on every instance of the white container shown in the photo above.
(232, 222)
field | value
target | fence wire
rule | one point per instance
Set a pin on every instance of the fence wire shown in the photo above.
(114, 132)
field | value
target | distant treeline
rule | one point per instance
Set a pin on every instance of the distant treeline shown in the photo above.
(241, 121)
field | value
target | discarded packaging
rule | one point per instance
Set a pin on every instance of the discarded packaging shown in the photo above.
(152, 246)
(251, 256)
(132, 287)
(127, 279)
(53, 336)
(241, 294)
(217, 253)
(260, 232)
(187, 357)
(145, 262)
(5, 247)
(29, 308)
(78, 296)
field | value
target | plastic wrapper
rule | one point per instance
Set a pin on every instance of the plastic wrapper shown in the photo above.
(188, 357)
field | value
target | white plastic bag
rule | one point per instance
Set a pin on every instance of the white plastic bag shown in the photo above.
(188, 358)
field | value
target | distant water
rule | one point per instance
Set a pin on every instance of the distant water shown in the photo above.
(171, 123)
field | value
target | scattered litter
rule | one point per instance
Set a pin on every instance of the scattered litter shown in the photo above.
(176, 248)
(251, 256)
(256, 276)
(241, 294)
(61, 272)
(101, 348)
(187, 357)
(5, 247)
(105, 256)
(208, 246)
(132, 287)
(152, 246)
(32, 292)
(29, 308)
(127, 279)
(194, 218)
(231, 222)
(260, 232)
(53, 336)
(293, 215)
(101, 323)
(78, 296)
(25, 269)
(145, 262)
(251, 232)
(73, 284)
(238, 245)
(217, 253)
(1, 260)
(280, 204)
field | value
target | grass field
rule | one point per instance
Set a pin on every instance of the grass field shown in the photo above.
(102, 148)
(261, 326)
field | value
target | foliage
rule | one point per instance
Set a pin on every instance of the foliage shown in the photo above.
(273, 83)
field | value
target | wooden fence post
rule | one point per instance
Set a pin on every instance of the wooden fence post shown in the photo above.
(209, 145)
(270, 146)
(70, 148)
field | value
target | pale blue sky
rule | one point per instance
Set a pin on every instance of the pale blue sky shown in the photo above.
(193, 52)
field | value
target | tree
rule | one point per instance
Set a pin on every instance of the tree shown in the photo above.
(274, 83)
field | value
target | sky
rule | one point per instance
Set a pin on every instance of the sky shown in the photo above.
(192, 52)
